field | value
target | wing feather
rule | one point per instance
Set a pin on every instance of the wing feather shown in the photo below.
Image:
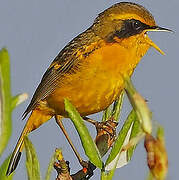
(49, 82)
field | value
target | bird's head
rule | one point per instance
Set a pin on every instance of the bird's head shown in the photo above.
(126, 22)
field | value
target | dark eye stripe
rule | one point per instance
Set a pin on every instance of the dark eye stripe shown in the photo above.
(130, 27)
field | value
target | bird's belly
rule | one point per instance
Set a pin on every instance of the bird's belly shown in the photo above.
(90, 95)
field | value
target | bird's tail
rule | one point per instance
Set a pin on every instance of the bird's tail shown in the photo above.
(36, 118)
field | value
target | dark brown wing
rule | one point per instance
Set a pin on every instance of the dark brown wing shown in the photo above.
(48, 83)
(65, 62)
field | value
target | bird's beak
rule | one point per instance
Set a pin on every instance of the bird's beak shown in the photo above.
(150, 42)
(157, 28)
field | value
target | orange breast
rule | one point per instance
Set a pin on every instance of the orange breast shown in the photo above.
(99, 81)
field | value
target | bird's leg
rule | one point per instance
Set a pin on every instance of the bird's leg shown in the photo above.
(59, 122)
(108, 125)
(90, 120)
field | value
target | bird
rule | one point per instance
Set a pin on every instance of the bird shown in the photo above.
(89, 70)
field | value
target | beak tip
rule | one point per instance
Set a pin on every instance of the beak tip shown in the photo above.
(164, 29)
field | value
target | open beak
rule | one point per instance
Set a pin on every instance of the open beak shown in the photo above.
(150, 42)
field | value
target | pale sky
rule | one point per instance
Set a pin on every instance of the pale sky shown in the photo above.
(35, 31)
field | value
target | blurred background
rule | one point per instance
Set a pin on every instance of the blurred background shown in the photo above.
(35, 31)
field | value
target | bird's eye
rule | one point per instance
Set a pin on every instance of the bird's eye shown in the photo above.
(136, 25)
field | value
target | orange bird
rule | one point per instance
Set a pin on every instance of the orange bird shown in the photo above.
(88, 70)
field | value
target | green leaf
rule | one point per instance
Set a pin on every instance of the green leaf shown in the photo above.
(161, 134)
(139, 105)
(5, 100)
(18, 99)
(106, 114)
(3, 170)
(107, 175)
(135, 131)
(117, 147)
(117, 107)
(87, 142)
(32, 163)
(50, 167)
(114, 111)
